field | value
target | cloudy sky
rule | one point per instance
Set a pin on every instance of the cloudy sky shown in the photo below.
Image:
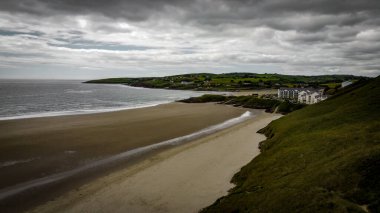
(84, 39)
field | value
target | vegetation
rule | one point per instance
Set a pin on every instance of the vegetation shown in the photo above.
(231, 81)
(207, 98)
(247, 101)
(322, 158)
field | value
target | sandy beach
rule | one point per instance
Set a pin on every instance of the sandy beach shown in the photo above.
(35, 148)
(183, 179)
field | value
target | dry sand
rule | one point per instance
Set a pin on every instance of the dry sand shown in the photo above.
(39, 147)
(183, 179)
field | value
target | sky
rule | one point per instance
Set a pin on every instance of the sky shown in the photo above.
(88, 39)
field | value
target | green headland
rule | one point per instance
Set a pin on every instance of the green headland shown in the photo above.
(231, 81)
(322, 158)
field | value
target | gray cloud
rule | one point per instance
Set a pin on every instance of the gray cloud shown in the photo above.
(269, 12)
(291, 36)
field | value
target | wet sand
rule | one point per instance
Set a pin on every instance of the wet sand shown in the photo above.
(183, 179)
(38, 147)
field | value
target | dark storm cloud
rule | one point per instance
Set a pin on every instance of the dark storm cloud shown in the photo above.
(303, 16)
(308, 38)
(208, 10)
(91, 45)
(5, 32)
(323, 6)
(296, 34)
(363, 51)
(313, 22)
(137, 10)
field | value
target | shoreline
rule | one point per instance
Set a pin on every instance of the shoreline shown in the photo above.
(237, 92)
(17, 189)
(182, 179)
(125, 106)
(80, 112)
(105, 110)
(38, 147)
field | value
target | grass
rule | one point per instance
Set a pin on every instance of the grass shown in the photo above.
(230, 81)
(247, 101)
(332, 85)
(322, 158)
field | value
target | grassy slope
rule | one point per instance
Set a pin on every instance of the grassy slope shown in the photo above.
(323, 158)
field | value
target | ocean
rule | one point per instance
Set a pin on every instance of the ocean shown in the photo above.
(40, 98)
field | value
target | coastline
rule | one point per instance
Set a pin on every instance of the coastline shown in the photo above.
(80, 112)
(38, 147)
(79, 98)
(183, 179)
(237, 92)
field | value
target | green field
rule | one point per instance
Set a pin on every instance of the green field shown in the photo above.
(230, 81)
(322, 158)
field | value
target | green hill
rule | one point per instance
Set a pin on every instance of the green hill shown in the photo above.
(322, 158)
(231, 81)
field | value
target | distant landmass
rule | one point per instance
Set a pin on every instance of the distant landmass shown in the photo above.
(232, 81)
(322, 158)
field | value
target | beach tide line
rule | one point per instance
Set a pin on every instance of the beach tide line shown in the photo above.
(82, 111)
(23, 187)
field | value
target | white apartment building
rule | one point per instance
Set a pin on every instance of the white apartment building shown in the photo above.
(302, 95)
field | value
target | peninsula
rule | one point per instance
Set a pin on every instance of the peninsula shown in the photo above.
(231, 81)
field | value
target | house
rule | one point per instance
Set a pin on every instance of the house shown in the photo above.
(310, 97)
(186, 82)
(302, 95)
(288, 93)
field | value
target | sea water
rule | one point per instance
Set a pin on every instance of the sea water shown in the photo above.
(40, 98)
